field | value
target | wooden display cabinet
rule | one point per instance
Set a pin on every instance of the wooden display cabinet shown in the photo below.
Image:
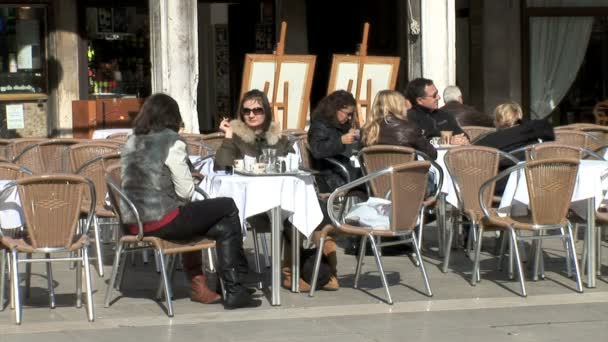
(89, 115)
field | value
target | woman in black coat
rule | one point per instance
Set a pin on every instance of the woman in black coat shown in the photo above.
(333, 133)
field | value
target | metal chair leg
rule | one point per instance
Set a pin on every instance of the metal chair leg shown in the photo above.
(518, 260)
(510, 272)
(79, 281)
(28, 276)
(503, 247)
(360, 261)
(425, 277)
(166, 284)
(15, 284)
(49, 281)
(265, 250)
(2, 276)
(98, 251)
(380, 269)
(114, 275)
(256, 256)
(475, 275)
(448, 250)
(87, 280)
(315, 275)
(168, 262)
(579, 283)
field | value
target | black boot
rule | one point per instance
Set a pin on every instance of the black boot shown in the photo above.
(232, 263)
(237, 295)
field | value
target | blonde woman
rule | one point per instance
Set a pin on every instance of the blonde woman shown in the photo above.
(389, 124)
(513, 131)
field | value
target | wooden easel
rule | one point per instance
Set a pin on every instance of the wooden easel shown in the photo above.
(361, 59)
(278, 60)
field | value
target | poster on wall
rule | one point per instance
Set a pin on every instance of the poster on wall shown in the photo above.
(14, 116)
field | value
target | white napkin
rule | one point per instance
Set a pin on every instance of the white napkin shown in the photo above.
(293, 162)
(249, 162)
(374, 213)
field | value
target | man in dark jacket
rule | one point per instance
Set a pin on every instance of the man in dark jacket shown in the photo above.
(464, 115)
(424, 96)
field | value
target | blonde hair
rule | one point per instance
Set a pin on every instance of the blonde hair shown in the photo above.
(507, 114)
(387, 102)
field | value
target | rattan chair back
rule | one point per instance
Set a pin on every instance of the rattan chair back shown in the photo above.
(4, 143)
(550, 186)
(19, 144)
(475, 132)
(95, 169)
(576, 138)
(470, 167)
(10, 171)
(600, 111)
(51, 156)
(378, 157)
(304, 148)
(84, 152)
(552, 150)
(408, 184)
(51, 208)
(213, 140)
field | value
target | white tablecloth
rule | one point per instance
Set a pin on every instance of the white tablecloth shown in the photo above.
(588, 184)
(11, 215)
(257, 194)
(104, 133)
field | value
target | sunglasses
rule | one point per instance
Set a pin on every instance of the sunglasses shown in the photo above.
(255, 111)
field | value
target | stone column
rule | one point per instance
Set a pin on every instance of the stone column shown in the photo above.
(64, 67)
(174, 54)
(438, 30)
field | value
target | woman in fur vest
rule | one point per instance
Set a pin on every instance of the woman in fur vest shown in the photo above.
(252, 132)
(156, 176)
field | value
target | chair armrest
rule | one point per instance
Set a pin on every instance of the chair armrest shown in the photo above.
(345, 188)
(198, 189)
(593, 154)
(340, 167)
(130, 205)
(494, 179)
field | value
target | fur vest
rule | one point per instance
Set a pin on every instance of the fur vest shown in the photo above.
(145, 178)
(245, 142)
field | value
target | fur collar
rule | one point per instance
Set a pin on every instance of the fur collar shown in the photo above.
(272, 135)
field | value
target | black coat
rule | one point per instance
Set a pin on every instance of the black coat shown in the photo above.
(324, 140)
(394, 131)
(432, 122)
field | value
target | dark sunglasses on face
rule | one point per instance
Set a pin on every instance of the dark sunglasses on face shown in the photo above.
(255, 111)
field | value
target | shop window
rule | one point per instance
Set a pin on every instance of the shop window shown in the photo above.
(22, 49)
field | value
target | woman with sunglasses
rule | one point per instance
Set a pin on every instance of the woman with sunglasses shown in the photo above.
(252, 132)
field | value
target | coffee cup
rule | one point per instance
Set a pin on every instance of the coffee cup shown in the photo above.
(239, 164)
(259, 167)
(446, 137)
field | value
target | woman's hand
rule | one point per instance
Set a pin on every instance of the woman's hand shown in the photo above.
(226, 128)
(348, 138)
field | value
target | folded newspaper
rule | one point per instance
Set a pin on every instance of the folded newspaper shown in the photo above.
(375, 212)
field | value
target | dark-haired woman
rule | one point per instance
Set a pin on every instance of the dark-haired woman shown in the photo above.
(157, 178)
(252, 132)
(332, 133)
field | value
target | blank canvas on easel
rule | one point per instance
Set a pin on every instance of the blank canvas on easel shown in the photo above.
(382, 71)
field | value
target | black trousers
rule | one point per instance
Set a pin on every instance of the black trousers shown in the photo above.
(217, 219)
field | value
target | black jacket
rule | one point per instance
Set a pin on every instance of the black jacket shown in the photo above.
(432, 122)
(526, 133)
(324, 140)
(394, 131)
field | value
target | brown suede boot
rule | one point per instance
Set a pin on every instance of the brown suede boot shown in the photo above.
(304, 286)
(329, 250)
(198, 281)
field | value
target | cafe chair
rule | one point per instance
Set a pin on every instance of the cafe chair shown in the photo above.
(378, 157)
(164, 250)
(17, 145)
(51, 209)
(49, 156)
(91, 160)
(8, 172)
(550, 183)
(578, 138)
(408, 183)
(600, 111)
(475, 132)
(469, 167)
(213, 141)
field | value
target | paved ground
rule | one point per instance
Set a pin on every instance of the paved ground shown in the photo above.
(457, 311)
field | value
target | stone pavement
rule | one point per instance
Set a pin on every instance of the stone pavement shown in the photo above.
(492, 309)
